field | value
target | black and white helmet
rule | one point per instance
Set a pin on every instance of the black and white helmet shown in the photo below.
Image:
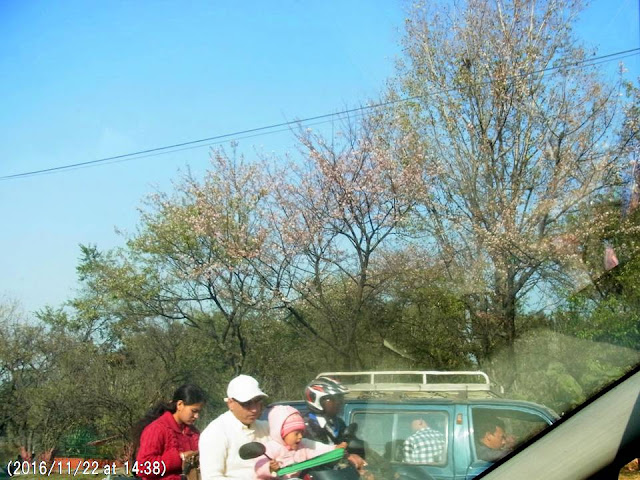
(322, 387)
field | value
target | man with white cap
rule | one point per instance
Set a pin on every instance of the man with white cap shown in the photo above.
(221, 440)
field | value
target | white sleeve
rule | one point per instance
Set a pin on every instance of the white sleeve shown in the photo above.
(213, 447)
(262, 431)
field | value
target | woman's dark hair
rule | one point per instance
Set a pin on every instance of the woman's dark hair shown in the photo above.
(190, 394)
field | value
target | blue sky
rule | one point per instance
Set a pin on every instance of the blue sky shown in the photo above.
(83, 80)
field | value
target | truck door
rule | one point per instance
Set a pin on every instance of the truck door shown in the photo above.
(413, 441)
(497, 430)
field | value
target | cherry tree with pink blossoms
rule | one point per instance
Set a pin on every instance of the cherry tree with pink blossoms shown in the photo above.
(332, 215)
(520, 131)
(189, 261)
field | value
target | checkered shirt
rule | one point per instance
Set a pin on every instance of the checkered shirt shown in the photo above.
(424, 446)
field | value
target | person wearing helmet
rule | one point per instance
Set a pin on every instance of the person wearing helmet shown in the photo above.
(324, 396)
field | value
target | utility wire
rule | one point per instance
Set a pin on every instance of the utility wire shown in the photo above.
(119, 159)
(278, 127)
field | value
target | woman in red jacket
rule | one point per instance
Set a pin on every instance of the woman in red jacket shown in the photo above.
(169, 441)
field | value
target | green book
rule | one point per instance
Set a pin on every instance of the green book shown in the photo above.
(328, 457)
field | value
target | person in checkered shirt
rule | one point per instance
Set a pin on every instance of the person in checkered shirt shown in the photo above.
(426, 445)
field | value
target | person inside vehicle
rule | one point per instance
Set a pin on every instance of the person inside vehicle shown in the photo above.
(425, 445)
(221, 440)
(324, 396)
(491, 441)
(286, 445)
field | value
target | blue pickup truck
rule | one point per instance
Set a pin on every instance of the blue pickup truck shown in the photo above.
(386, 405)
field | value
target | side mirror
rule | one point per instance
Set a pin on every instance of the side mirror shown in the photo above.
(356, 445)
(351, 430)
(251, 450)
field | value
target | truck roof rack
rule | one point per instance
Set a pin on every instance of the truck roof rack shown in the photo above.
(412, 381)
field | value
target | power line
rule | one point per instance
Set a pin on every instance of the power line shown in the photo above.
(193, 143)
(278, 127)
(126, 158)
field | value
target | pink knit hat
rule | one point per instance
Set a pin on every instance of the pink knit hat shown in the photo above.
(292, 423)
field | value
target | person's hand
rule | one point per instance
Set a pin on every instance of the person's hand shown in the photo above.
(510, 442)
(189, 457)
(274, 466)
(357, 461)
(367, 475)
(341, 445)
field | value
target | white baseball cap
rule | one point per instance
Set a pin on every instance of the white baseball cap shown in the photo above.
(243, 388)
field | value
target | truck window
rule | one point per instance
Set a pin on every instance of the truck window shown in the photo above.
(497, 431)
(376, 429)
(414, 437)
